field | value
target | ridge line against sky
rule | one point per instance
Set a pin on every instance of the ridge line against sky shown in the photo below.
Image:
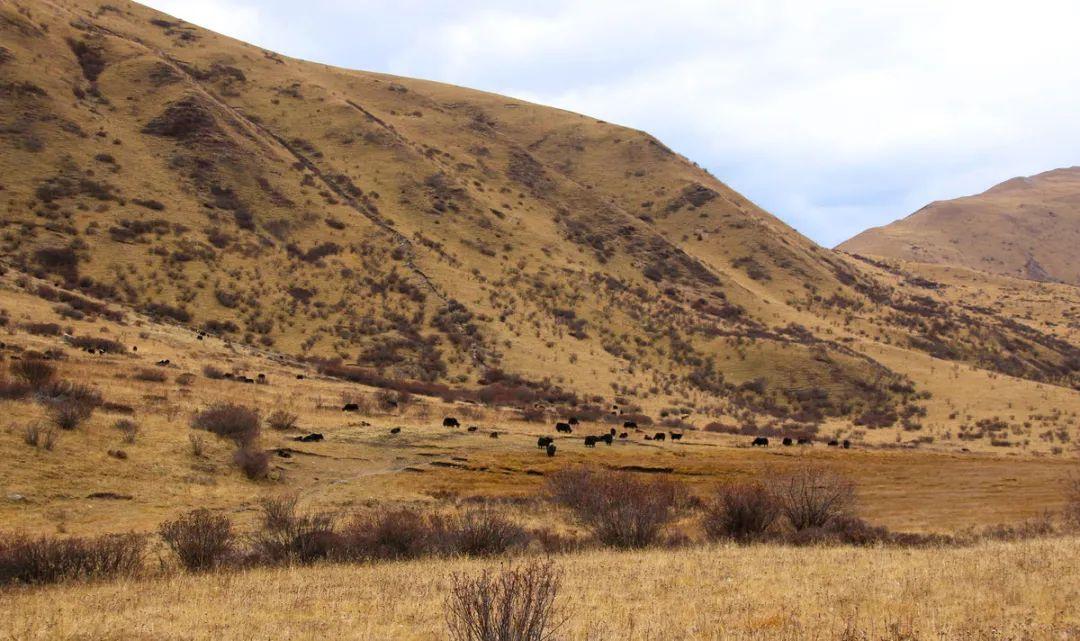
(834, 115)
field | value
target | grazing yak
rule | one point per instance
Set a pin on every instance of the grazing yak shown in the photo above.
(805, 441)
(544, 441)
(309, 438)
(450, 421)
(472, 428)
(659, 436)
(624, 435)
(350, 407)
(847, 444)
(551, 449)
(564, 428)
(675, 436)
(648, 438)
(573, 420)
(163, 363)
(787, 442)
(760, 441)
(590, 441)
(396, 430)
(494, 435)
(834, 443)
(629, 425)
(607, 438)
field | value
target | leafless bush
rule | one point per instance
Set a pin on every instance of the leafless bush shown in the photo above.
(198, 445)
(200, 539)
(151, 375)
(229, 420)
(129, 429)
(515, 604)
(69, 414)
(13, 390)
(253, 462)
(289, 536)
(481, 532)
(27, 560)
(1072, 501)
(388, 534)
(36, 435)
(282, 420)
(213, 373)
(621, 509)
(33, 372)
(743, 511)
(810, 496)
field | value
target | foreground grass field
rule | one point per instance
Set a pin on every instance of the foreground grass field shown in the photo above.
(990, 591)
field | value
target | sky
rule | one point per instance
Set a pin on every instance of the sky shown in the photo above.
(834, 115)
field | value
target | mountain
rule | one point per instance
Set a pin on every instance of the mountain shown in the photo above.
(411, 234)
(1023, 227)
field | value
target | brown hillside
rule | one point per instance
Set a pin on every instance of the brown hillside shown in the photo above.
(1024, 227)
(401, 230)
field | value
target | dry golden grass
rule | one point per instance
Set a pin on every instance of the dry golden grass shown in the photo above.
(992, 591)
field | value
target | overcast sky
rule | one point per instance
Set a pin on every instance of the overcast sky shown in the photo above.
(835, 115)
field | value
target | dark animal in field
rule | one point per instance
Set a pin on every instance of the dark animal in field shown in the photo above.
(787, 441)
(648, 438)
(834, 443)
(629, 425)
(163, 362)
(309, 438)
(249, 381)
(544, 441)
(564, 428)
(573, 420)
(659, 436)
(805, 441)
(675, 436)
(494, 435)
(472, 428)
(847, 444)
(590, 441)
(283, 453)
(760, 441)
(350, 407)
(612, 431)
(450, 421)
(396, 430)
(551, 449)
(299, 377)
(134, 348)
(607, 438)
(261, 377)
(624, 435)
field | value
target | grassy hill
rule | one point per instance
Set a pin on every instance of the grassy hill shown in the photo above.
(1024, 228)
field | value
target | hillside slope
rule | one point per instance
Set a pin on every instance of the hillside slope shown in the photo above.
(1024, 227)
(395, 229)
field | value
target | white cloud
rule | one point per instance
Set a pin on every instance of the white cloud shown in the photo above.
(834, 114)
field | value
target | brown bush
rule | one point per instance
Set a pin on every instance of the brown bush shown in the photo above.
(282, 420)
(619, 508)
(151, 375)
(13, 390)
(198, 445)
(43, 329)
(481, 532)
(129, 429)
(1072, 501)
(288, 536)
(200, 539)
(37, 436)
(388, 534)
(229, 420)
(742, 511)
(68, 414)
(34, 373)
(96, 343)
(515, 604)
(811, 496)
(26, 560)
(253, 462)
(213, 373)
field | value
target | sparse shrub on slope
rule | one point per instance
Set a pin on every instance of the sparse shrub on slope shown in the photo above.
(235, 422)
(811, 496)
(200, 539)
(621, 509)
(742, 511)
(39, 560)
(515, 604)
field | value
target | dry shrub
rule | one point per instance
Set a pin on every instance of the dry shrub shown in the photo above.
(35, 435)
(33, 372)
(69, 414)
(129, 429)
(200, 539)
(481, 532)
(619, 508)
(388, 534)
(235, 422)
(289, 536)
(282, 420)
(13, 390)
(253, 462)
(811, 496)
(742, 511)
(198, 445)
(213, 373)
(26, 560)
(515, 604)
(151, 375)
(1072, 501)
